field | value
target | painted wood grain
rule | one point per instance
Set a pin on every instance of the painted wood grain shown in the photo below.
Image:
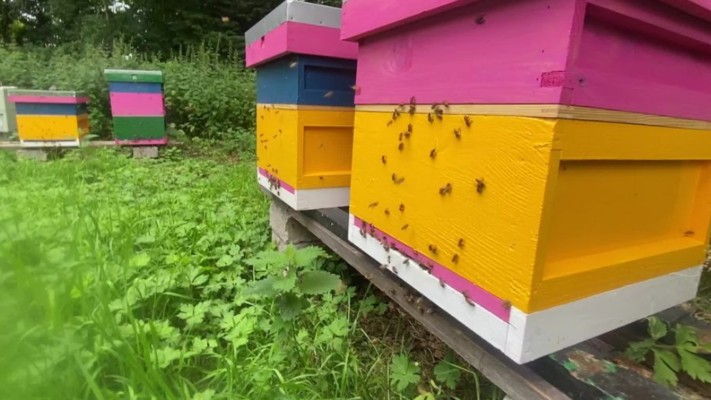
(633, 56)
(307, 80)
(137, 105)
(41, 99)
(553, 111)
(50, 109)
(131, 87)
(367, 17)
(298, 38)
(450, 57)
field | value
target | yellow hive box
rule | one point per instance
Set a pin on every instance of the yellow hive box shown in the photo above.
(557, 230)
(48, 118)
(304, 154)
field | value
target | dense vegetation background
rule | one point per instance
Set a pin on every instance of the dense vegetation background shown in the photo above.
(198, 44)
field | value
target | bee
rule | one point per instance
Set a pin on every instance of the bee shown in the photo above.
(402, 208)
(373, 205)
(689, 233)
(293, 64)
(461, 243)
(458, 133)
(401, 136)
(395, 271)
(413, 101)
(435, 106)
(455, 258)
(274, 137)
(441, 283)
(481, 20)
(433, 153)
(399, 180)
(320, 177)
(355, 88)
(407, 135)
(468, 300)
(445, 189)
(385, 159)
(429, 311)
(363, 233)
(404, 227)
(480, 186)
(401, 147)
(396, 114)
(261, 135)
(433, 249)
(387, 212)
(439, 113)
(406, 262)
(506, 304)
(430, 117)
(388, 259)
(390, 122)
(394, 177)
(445, 104)
(383, 267)
(409, 128)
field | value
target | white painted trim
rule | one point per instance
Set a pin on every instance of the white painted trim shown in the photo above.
(539, 334)
(310, 199)
(42, 144)
(527, 337)
(477, 319)
(283, 194)
(318, 199)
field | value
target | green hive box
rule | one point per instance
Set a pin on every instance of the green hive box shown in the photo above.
(138, 107)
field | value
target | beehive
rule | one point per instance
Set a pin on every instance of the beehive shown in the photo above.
(305, 78)
(547, 182)
(137, 106)
(50, 118)
(7, 111)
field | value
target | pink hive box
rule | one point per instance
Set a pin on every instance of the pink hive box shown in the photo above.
(640, 56)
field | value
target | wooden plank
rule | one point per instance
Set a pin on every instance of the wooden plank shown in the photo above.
(519, 382)
(6, 145)
(555, 111)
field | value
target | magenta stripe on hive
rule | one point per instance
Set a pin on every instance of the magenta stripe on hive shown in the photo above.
(137, 105)
(283, 184)
(293, 37)
(475, 293)
(48, 99)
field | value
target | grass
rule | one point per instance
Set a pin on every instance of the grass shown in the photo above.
(126, 279)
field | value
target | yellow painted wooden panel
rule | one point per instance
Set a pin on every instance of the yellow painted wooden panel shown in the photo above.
(60, 127)
(277, 142)
(602, 206)
(326, 149)
(582, 140)
(499, 227)
(621, 268)
(305, 147)
(549, 227)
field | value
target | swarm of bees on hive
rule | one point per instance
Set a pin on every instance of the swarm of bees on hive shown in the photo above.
(436, 113)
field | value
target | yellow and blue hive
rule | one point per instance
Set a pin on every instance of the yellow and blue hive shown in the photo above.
(305, 93)
(50, 118)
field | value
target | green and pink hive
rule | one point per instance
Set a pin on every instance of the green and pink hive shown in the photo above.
(137, 107)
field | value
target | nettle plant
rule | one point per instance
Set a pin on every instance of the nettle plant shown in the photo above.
(672, 357)
(290, 277)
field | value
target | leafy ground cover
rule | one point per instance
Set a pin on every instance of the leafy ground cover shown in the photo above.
(126, 279)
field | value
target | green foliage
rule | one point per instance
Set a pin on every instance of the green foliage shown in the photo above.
(207, 96)
(129, 279)
(403, 372)
(671, 359)
(447, 372)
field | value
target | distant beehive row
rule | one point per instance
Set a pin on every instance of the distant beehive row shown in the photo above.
(539, 169)
(305, 75)
(48, 118)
